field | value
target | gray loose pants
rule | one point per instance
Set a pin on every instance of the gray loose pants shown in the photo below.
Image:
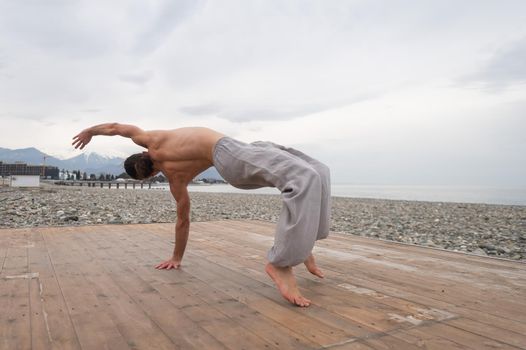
(305, 190)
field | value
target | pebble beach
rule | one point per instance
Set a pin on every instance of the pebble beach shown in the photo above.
(482, 229)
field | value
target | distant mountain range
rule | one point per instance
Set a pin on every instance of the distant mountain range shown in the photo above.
(91, 163)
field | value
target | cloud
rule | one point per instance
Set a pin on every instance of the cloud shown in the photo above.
(55, 26)
(507, 66)
(3, 61)
(204, 109)
(163, 18)
(276, 110)
(92, 110)
(374, 79)
(137, 78)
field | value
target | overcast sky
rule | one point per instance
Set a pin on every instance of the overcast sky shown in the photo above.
(384, 92)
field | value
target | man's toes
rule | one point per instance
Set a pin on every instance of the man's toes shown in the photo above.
(315, 271)
(301, 301)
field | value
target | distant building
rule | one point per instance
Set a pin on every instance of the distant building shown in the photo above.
(24, 180)
(7, 169)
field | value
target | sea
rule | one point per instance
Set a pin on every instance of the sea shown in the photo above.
(456, 194)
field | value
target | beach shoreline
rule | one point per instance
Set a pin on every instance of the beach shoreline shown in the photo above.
(483, 229)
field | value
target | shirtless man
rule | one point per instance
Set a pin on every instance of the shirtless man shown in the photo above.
(182, 154)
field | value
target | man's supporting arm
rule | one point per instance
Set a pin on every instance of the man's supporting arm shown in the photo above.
(182, 227)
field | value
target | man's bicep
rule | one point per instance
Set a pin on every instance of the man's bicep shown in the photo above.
(138, 135)
(127, 130)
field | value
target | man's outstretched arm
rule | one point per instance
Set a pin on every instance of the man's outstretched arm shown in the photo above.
(182, 228)
(138, 135)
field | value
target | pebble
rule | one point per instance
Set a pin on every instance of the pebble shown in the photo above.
(482, 229)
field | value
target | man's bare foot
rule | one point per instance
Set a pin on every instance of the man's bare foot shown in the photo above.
(286, 283)
(312, 267)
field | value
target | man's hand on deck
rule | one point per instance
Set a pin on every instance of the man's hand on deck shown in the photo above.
(169, 264)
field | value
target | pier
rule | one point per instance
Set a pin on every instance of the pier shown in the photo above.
(102, 184)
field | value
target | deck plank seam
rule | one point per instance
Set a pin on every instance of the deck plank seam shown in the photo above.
(29, 294)
(482, 335)
(68, 307)
(4, 260)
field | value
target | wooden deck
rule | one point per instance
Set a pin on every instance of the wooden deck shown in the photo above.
(94, 287)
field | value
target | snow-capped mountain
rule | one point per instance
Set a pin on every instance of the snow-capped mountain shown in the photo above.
(95, 163)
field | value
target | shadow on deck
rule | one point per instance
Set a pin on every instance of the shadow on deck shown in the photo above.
(95, 287)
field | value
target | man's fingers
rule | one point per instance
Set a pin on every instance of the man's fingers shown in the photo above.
(162, 266)
(167, 265)
(77, 143)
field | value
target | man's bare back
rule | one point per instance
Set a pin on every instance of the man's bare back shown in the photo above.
(182, 153)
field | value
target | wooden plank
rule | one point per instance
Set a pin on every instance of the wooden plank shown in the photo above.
(3, 257)
(93, 325)
(461, 294)
(431, 341)
(496, 333)
(390, 289)
(51, 325)
(15, 320)
(462, 337)
(356, 345)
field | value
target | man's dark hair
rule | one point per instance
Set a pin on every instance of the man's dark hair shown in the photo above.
(139, 166)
